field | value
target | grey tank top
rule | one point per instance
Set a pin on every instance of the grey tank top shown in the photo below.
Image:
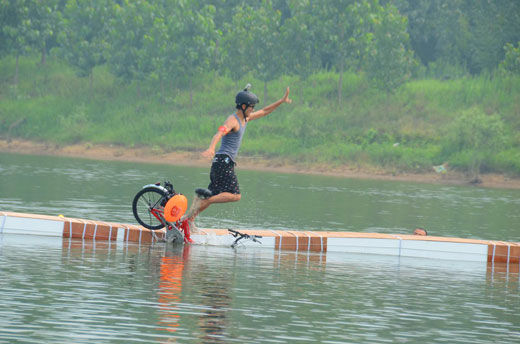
(231, 142)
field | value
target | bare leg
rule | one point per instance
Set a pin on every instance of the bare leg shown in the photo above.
(194, 208)
(223, 197)
(199, 205)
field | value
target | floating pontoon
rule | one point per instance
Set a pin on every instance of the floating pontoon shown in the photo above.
(445, 248)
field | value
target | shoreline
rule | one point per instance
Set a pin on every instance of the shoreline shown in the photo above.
(149, 155)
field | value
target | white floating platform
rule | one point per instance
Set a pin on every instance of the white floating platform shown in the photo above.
(438, 248)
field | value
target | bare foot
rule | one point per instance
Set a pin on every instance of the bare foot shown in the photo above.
(193, 228)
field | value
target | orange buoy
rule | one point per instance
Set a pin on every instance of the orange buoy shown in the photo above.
(175, 208)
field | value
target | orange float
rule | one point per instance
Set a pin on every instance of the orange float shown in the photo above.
(175, 208)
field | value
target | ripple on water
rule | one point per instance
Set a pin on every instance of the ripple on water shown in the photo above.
(85, 291)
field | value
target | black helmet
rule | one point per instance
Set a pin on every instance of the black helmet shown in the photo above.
(246, 97)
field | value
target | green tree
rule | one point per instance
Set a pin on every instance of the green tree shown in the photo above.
(338, 41)
(493, 24)
(356, 35)
(224, 12)
(193, 38)
(83, 38)
(15, 29)
(301, 46)
(387, 59)
(422, 24)
(467, 33)
(136, 34)
(45, 17)
(254, 43)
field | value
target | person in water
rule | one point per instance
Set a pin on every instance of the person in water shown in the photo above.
(223, 186)
(420, 231)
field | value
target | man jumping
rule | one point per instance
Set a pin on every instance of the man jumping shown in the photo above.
(223, 186)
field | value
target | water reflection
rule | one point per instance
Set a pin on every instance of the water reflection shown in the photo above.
(314, 261)
(215, 290)
(168, 264)
(68, 290)
(170, 287)
(213, 295)
(503, 275)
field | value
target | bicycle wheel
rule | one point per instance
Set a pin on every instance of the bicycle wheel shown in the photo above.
(146, 200)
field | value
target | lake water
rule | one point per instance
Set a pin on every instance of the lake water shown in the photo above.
(55, 290)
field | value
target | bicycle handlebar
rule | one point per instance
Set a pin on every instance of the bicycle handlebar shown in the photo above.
(241, 236)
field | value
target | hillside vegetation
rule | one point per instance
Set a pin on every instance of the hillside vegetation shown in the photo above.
(472, 123)
(399, 85)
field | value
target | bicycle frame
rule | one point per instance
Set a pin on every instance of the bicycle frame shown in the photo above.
(158, 213)
(159, 187)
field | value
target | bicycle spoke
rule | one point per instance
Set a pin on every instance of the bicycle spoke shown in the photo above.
(146, 203)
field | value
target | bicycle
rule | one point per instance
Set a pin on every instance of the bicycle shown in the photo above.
(156, 206)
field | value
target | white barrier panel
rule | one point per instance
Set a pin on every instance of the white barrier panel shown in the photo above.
(435, 248)
(363, 245)
(444, 250)
(23, 225)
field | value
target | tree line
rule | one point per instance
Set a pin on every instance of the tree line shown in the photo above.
(172, 42)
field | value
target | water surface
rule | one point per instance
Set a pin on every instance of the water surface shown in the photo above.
(55, 290)
(61, 291)
(104, 191)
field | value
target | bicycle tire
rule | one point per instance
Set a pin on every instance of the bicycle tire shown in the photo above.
(143, 202)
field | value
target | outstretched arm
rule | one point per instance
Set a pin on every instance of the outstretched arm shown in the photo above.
(270, 108)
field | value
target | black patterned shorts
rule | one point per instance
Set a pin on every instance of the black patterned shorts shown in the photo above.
(222, 175)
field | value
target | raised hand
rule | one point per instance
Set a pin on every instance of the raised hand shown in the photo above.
(286, 98)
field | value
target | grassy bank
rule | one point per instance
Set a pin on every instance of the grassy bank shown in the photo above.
(470, 123)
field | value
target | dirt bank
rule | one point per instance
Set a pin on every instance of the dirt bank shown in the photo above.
(150, 155)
